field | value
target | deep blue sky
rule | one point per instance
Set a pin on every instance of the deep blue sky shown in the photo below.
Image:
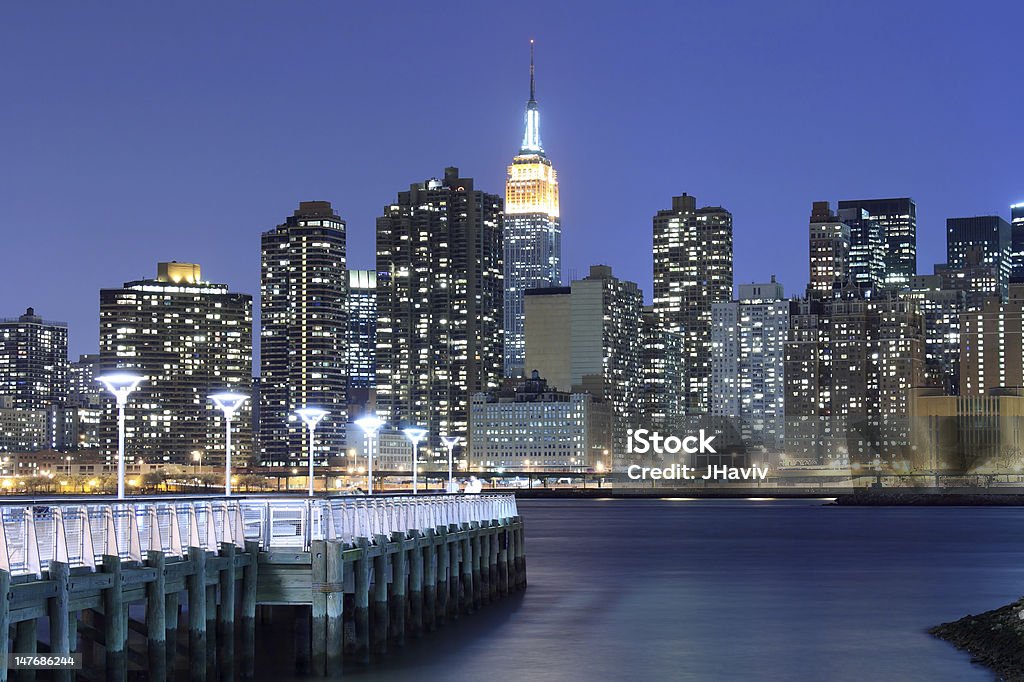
(138, 132)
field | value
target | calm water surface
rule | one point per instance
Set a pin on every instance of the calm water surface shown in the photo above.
(707, 590)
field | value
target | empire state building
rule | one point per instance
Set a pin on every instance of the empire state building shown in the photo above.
(533, 232)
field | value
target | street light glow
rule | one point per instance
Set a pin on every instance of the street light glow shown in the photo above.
(450, 442)
(229, 404)
(311, 416)
(415, 434)
(120, 384)
(369, 424)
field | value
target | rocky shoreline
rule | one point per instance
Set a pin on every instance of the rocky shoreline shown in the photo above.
(994, 639)
(890, 497)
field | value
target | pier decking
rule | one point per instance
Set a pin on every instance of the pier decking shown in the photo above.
(372, 570)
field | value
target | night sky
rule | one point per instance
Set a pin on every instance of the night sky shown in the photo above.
(137, 132)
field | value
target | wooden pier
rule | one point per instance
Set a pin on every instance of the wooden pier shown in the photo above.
(373, 572)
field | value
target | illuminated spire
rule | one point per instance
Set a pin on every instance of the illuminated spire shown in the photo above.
(531, 138)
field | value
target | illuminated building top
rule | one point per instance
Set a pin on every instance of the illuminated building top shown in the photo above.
(532, 184)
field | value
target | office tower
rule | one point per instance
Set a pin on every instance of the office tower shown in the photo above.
(527, 425)
(440, 293)
(992, 344)
(866, 267)
(692, 271)
(748, 339)
(596, 323)
(1017, 243)
(304, 333)
(187, 338)
(533, 232)
(33, 361)
(848, 365)
(829, 252)
(978, 252)
(940, 309)
(83, 389)
(362, 336)
(897, 220)
(662, 403)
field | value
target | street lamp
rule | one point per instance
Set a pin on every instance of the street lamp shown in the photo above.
(450, 442)
(415, 434)
(228, 403)
(120, 384)
(311, 416)
(369, 424)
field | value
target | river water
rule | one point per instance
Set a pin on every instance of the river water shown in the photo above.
(726, 590)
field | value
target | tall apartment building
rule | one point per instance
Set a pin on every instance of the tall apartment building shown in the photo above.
(978, 253)
(532, 230)
(940, 308)
(992, 344)
(83, 389)
(897, 221)
(829, 251)
(588, 337)
(33, 361)
(748, 339)
(849, 363)
(692, 271)
(362, 335)
(187, 338)
(304, 333)
(1017, 243)
(527, 425)
(662, 404)
(440, 293)
(866, 267)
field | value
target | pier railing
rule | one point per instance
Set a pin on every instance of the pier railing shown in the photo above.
(81, 532)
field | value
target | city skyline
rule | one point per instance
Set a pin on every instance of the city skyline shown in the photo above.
(231, 151)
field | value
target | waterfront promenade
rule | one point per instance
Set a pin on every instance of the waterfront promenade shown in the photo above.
(177, 584)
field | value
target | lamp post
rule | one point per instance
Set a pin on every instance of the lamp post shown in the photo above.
(229, 404)
(415, 434)
(369, 424)
(120, 384)
(311, 416)
(450, 442)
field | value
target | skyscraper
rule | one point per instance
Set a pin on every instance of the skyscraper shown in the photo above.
(33, 361)
(992, 345)
(897, 220)
(597, 324)
(304, 333)
(748, 362)
(692, 271)
(440, 292)
(663, 372)
(362, 335)
(867, 249)
(979, 248)
(533, 232)
(829, 252)
(188, 338)
(1017, 243)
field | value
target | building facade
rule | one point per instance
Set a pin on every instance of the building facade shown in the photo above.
(1017, 243)
(662, 404)
(866, 268)
(528, 426)
(748, 339)
(440, 293)
(897, 221)
(692, 271)
(187, 338)
(978, 253)
(829, 252)
(992, 344)
(304, 350)
(940, 310)
(532, 231)
(362, 336)
(33, 361)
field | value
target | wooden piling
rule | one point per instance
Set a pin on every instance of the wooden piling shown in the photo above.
(396, 593)
(416, 581)
(318, 641)
(197, 615)
(5, 621)
(156, 618)
(226, 614)
(26, 641)
(249, 578)
(483, 547)
(211, 631)
(426, 565)
(468, 587)
(172, 603)
(454, 574)
(362, 602)
(115, 631)
(502, 537)
(513, 564)
(441, 590)
(57, 610)
(335, 606)
(380, 596)
(492, 559)
(520, 552)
